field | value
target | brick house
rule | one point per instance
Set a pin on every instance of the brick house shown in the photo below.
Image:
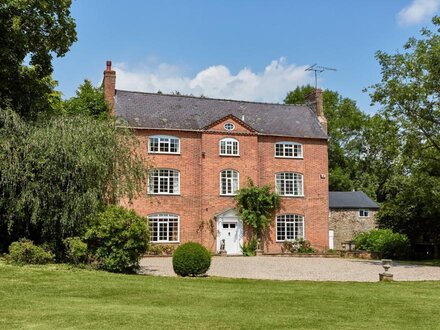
(204, 149)
(351, 212)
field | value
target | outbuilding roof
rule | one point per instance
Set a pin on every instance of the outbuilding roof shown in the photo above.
(351, 200)
(176, 112)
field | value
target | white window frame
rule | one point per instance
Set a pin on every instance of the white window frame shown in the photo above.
(163, 218)
(230, 141)
(288, 144)
(282, 181)
(294, 221)
(362, 213)
(176, 187)
(165, 139)
(229, 181)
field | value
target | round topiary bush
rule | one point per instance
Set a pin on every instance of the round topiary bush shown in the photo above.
(191, 259)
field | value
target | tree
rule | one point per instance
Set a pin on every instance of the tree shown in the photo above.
(257, 206)
(410, 89)
(57, 172)
(409, 95)
(345, 125)
(33, 31)
(89, 101)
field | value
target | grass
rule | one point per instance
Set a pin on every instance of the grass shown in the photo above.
(57, 297)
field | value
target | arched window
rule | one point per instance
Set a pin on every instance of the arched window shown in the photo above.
(229, 182)
(163, 144)
(164, 227)
(290, 227)
(288, 150)
(164, 181)
(289, 184)
(229, 147)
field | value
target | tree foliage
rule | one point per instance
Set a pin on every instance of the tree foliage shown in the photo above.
(409, 94)
(89, 100)
(56, 172)
(257, 206)
(32, 31)
(117, 238)
(410, 88)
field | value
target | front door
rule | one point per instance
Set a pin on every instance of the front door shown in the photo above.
(230, 231)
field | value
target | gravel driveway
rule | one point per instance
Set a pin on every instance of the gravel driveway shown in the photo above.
(291, 268)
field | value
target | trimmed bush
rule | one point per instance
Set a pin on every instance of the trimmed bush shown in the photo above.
(384, 242)
(76, 250)
(117, 239)
(191, 259)
(25, 252)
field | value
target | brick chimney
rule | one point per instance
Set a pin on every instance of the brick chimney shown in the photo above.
(109, 84)
(315, 101)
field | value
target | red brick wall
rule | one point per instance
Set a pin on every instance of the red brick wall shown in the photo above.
(200, 165)
(314, 204)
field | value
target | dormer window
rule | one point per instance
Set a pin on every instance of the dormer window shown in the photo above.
(229, 126)
(229, 147)
(162, 144)
(288, 150)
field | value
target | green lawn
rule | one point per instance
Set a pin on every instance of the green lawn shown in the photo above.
(54, 297)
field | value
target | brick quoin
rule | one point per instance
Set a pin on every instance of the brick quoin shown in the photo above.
(200, 164)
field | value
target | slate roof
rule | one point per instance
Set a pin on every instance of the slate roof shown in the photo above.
(149, 110)
(351, 200)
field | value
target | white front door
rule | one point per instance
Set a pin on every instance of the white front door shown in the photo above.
(230, 229)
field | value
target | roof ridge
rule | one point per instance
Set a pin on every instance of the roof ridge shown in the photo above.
(212, 98)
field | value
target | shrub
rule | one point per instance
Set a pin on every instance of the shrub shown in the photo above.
(117, 239)
(299, 245)
(76, 250)
(384, 242)
(191, 259)
(249, 248)
(25, 252)
(159, 249)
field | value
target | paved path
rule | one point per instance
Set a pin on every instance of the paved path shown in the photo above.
(291, 268)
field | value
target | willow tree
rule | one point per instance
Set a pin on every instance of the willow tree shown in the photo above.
(55, 173)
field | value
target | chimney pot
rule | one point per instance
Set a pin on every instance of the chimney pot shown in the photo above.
(109, 65)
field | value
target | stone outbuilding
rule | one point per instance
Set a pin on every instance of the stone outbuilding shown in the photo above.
(351, 212)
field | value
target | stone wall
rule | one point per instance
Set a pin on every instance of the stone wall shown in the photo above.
(346, 223)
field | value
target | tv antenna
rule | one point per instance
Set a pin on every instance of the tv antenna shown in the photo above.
(316, 68)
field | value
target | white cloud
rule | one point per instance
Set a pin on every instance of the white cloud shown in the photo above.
(418, 11)
(270, 85)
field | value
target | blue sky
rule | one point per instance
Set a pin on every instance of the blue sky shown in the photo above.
(241, 49)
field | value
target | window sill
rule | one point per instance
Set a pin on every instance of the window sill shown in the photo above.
(285, 157)
(221, 155)
(164, 153)
(162, 194)
(223, 195)
(289, 240)
(291, 196)
(165, 242)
